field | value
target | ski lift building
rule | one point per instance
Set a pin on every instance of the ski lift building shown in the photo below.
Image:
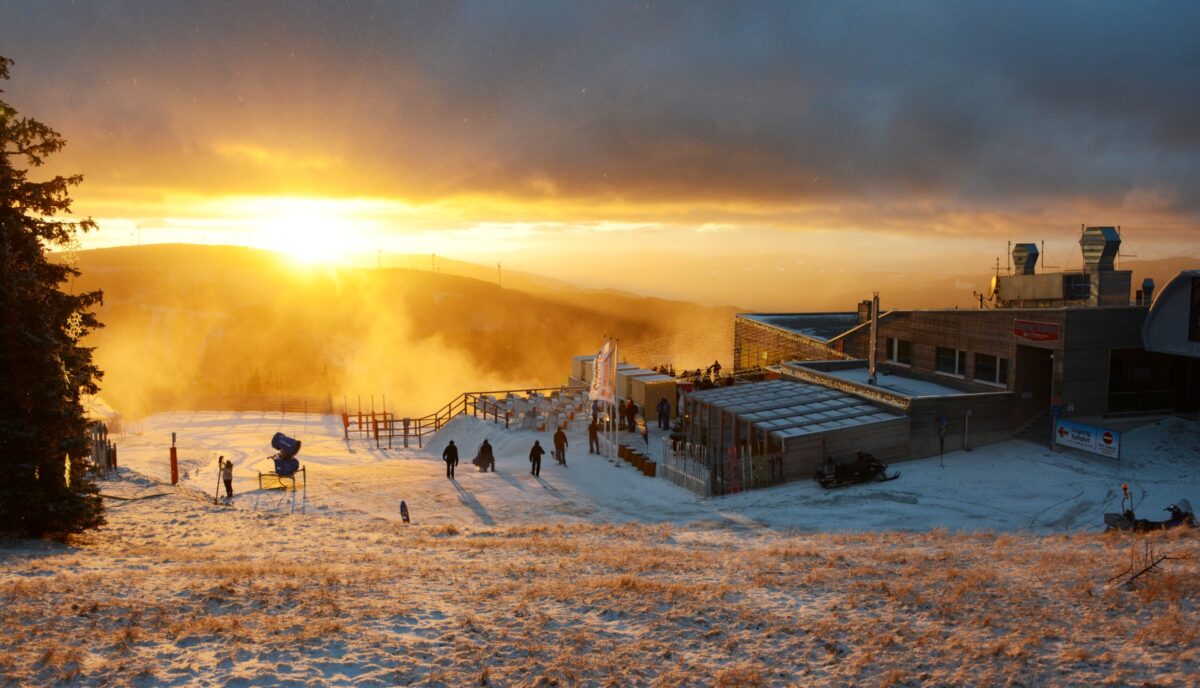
(801, 422)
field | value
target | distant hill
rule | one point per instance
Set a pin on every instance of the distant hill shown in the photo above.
(190, 319)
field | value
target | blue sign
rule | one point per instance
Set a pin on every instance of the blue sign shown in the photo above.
(1088, 438)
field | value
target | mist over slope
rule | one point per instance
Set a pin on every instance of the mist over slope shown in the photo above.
(188, 320)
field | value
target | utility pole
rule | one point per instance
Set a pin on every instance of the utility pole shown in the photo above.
(871, 358)
(499, 276)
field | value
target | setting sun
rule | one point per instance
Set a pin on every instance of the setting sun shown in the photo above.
(309, 230)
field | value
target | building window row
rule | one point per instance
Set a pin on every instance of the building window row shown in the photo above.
(899, 351)
(991, 369)
(950, 361)
(947, 361)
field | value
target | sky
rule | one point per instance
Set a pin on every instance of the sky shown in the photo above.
(566, 137)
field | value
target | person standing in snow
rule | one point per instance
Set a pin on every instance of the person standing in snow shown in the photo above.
(631, 413)
(226, 475)
(664, 413)
(594, 437)
(560, 447)
(535, 458)
(486, 459)
(450, 456)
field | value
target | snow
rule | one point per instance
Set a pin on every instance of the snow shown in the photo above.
(909, 387)
(1011, 486)
(987, 571)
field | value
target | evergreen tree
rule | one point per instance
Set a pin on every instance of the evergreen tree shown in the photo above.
(44, 445)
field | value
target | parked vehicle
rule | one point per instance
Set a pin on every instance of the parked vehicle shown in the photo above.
(1181, 514)
(865, 468)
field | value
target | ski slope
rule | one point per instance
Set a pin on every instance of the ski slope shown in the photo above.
(1011, 486)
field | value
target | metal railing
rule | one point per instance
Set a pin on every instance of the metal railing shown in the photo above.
(385, 427)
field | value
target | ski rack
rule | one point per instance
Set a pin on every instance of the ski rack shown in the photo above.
(281, 481)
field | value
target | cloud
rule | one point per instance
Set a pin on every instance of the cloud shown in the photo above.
(784, 112)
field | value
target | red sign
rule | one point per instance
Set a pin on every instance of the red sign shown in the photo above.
(1108, 438)
(1035, 331)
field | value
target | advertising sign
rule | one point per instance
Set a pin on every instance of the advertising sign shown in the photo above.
(1088, 438)
(1035, 331)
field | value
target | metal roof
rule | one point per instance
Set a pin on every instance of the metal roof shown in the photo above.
(785, 408)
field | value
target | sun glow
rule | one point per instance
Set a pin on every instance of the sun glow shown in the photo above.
(308, 230)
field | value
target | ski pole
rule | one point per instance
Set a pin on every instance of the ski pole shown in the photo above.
(217, 492)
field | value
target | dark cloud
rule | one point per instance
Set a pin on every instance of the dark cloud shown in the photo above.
(970, 105)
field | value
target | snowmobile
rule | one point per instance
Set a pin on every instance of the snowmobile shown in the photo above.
(865, 468)
(1181, 515)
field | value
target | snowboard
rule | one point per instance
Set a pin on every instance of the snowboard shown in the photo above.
(404, 512)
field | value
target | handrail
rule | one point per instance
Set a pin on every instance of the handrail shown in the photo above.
(419, 427)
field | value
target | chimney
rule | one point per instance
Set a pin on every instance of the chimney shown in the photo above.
(1025, 257)
(864, 311)
(1100, 246)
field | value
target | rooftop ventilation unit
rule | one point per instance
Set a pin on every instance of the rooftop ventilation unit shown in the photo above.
(1100, 246)
(1025, 257)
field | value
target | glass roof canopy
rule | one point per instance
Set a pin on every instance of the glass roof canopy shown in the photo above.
(786, 408)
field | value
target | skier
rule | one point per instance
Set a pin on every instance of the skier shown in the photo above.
(450, 456)
(535, 458)
(560, 447)
(226, 475)
(594, 437)
(664, 413)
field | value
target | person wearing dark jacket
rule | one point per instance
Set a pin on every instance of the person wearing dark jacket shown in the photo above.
(535, 458)
(560, 447)
(450, 456)
(486, 459)
(226, 475)
(664, 413)
(631, 412)
(594, 437)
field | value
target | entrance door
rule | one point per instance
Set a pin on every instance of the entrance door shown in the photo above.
(1032, 381)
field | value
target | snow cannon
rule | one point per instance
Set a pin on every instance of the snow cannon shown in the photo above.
(286, 463)
(287, 446)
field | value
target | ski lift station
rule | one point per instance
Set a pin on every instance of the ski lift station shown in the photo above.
(1042, 350)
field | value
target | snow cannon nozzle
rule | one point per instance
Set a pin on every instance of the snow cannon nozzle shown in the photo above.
(287, 446)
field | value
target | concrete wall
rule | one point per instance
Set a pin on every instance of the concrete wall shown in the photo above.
(1091, 334)
(991, 420)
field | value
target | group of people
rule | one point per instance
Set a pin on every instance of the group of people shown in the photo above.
(485, 458)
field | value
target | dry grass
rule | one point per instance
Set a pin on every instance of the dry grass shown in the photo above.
(349, 601)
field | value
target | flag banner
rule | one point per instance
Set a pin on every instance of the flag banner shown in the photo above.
(602, 374)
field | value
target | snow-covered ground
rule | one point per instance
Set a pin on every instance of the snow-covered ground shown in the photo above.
(982, 572)
(1013, 486)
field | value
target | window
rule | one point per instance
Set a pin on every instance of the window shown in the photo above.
(899, 351)
(991, 369)
(951, 361)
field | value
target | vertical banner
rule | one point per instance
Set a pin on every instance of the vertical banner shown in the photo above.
(603, 372)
